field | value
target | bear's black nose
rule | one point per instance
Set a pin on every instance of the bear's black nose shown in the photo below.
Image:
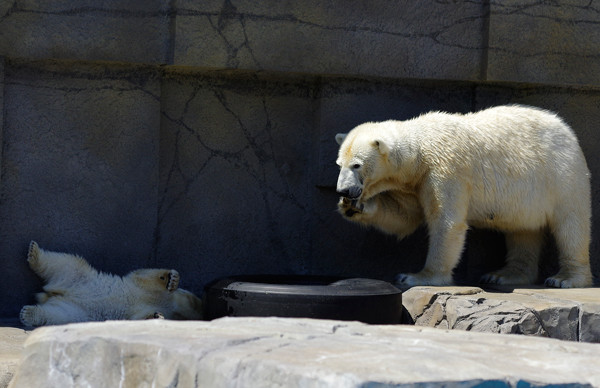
(350, 193)
(343, 192)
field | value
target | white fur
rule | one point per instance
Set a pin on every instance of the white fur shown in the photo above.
(512, 168)
(76, 292)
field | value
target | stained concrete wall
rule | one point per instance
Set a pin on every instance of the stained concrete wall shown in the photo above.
(199, 135)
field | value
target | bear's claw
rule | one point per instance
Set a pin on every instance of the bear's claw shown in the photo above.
(173, 282)
(33, 253)
(558, 282)
(157, 315)
(422, 279)
(566, 278)
(28, 316)
(489, 278)
(350, 207)
(505, 277)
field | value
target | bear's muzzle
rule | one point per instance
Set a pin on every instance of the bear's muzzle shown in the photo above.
(350, 193)
(349, 184)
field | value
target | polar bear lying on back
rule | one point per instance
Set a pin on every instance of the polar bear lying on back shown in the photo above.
(512, 168)
(76, 292)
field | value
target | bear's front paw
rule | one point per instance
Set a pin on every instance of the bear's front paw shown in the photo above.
(420, 279)
(349, 207)
(491, 278)
(562, 280)
(155, 315)
(173, 282)
(506, 277)
(405, 279)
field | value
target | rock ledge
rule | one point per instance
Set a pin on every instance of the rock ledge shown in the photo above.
(567, 314)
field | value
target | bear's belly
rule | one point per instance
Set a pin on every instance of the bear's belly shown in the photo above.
(493, 221)
(513, 204)
(509, 216)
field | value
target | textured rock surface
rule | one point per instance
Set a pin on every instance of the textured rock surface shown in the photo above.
(375, 38)
(542, 42)
(11, 345)
(564, 314)
(254, 352)
(230, 169)
(65, 158)
(135, 31)
(524, 41)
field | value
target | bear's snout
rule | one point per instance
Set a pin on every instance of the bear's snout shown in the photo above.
(350, 192)
(349, 184)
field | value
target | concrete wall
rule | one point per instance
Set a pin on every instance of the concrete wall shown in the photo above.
(199, 135)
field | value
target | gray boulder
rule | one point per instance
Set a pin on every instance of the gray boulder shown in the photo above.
(563, 314)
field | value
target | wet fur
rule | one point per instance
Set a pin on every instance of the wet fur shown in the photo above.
(516, 169)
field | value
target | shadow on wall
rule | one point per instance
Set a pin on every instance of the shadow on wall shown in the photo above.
(216, 173)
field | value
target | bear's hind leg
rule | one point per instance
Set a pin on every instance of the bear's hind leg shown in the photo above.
(59, 270)
(51, 313)
(32, 315)
(33, 258)
(572, 236)
(522, 256)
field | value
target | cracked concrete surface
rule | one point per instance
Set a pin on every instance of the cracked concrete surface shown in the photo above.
(519, 41)
(256, 152)
(524, 45)
(332, 40)
(136, 32)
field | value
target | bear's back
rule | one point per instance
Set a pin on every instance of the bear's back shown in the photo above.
(513, 138)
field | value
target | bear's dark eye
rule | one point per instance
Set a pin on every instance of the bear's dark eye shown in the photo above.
(162, 278)
(356, 166)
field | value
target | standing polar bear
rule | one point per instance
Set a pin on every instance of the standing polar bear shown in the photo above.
(76, 292)
(513, 168)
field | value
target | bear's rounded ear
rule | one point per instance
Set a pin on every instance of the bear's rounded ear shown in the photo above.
(382, 146)
(339, 138)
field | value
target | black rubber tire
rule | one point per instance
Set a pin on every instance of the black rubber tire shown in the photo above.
(365, 300)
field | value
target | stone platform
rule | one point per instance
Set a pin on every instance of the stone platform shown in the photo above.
(11, 345)
(267, 352)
